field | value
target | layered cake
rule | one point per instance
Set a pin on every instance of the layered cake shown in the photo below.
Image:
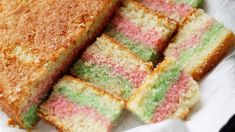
(141, 30)
(200, 44)
(111, 67)
(169, 92)
(76, 106)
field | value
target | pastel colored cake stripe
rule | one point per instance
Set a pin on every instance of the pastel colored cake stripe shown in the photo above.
(145, 52)
(136, 76)
(102, 77)
(175, 11)
(154, 96)
(204, 42)
(62, 107)
(193, 3)
(80, 103)
(141, 30)
(169, 105)
(149, 37)
(158, 98)
(198, 40)
(111, 67)
(195, 38)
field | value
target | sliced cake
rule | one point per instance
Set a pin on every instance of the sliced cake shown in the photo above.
(200, 44)
(111, 67)
(39, 39)
(76, 106)
(141, 30)
(168, 92)
(176, 11)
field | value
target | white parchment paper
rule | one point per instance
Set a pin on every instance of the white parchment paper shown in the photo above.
(217, 102)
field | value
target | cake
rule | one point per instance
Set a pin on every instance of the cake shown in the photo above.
(111, 67)
(39, 39)
(174, 10)
(76, 106)
(141, 30)
(200, 44)
(168, 93)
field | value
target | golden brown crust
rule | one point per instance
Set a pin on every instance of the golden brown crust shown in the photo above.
(60, 128)
(184, 115)
(13, 109)
(214, 58)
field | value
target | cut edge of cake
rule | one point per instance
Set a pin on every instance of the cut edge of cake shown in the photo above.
(55, 121)
(186, 101)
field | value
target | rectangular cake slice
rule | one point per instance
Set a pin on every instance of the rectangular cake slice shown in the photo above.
(174, 10)
(141, 30)
(168, 92)
(111, 67)
(200, 44)
(39, 39)
(76, 106)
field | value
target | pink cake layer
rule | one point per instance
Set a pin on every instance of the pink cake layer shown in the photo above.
(169, 105)
(136, 76)
(61, 107)
(168, 8)
(149, 37)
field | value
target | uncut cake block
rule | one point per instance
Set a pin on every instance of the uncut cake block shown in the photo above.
(168, 92)
(200, 44)
(174, 10)
(111, 67)
(39, 39)
(76, 106)
(141, 30)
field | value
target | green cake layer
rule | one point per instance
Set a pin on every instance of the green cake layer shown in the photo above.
(193, 3)
(103, 78)
(145, 52)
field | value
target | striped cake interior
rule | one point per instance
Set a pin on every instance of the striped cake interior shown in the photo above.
(197, 40)
(141, 30)
(165, 94)
(177, 12)
(77, 106)
(111, 67)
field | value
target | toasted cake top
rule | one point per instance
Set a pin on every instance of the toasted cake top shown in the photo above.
(34, 34)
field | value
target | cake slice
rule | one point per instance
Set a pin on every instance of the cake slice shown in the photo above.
(76, 106)
(168, 92)
(111, 67)
(200, 44)
(141, 30)
(174, 10)
(39, 39)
